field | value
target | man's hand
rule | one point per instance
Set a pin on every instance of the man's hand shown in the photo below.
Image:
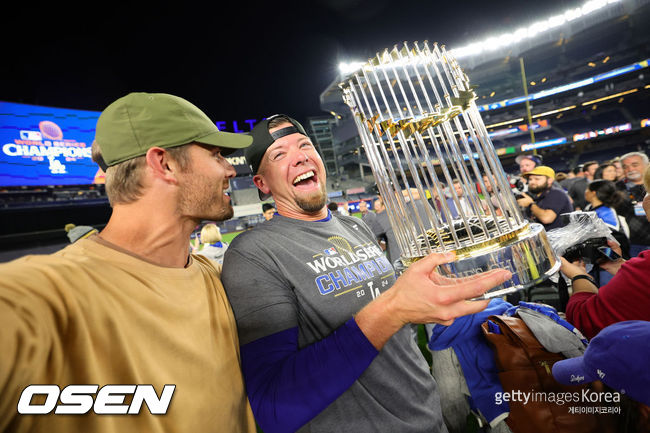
(612, 266)
(525, 201)
(570, 270)
(421, 295)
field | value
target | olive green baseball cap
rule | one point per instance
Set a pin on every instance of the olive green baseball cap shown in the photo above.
(139, 121)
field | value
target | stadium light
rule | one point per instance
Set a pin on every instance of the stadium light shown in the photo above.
(496, 42)
(609, 97)
(346, 68)
(559, 110)
(507, 122)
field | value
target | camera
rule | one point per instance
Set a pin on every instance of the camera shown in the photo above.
(517, 186)
(587, 251)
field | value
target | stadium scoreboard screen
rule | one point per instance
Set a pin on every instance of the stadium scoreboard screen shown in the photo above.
(41, 146)
(46, 146)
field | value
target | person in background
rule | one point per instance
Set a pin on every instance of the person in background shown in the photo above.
(363, 208)
(368, 216)
(489, 195)
(571, 177)
(130, 305)
(212, 245)
(79, 232)
(546, 203)
(435, 200)
(527, 163)
(620, 174)
(590, 168)
(625, 297)
(379, 205)
(603, 198)
(618, 356)
(323, 322)
(333, 207)
(463, 202)
(379, 229)
(268, 211)
(634, 165)
(606, 171)
(577, 189)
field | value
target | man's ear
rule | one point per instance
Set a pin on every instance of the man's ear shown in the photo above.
(261, 184)
(161, 164)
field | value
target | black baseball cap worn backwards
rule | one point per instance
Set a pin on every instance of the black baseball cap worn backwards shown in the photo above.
(263, 139)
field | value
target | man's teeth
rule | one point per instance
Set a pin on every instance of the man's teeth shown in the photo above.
(303, 177)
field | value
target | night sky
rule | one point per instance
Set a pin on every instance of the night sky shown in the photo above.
(235, 60)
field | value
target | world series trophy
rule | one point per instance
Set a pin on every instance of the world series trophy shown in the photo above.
(437, 171)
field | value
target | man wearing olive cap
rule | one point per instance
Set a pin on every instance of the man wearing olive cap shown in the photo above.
(129, 306)
(546, 203)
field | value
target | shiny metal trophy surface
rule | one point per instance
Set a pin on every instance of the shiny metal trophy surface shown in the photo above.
(421, 131)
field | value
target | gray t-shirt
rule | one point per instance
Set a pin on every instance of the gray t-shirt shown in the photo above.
(289, 273)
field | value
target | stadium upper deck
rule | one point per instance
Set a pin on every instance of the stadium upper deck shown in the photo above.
(588, 85)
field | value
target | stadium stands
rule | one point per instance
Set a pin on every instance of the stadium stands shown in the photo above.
(611, 48)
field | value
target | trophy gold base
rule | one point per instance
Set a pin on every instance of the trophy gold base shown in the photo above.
(527, 254)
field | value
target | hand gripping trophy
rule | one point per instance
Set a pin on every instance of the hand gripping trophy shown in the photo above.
(437, 171)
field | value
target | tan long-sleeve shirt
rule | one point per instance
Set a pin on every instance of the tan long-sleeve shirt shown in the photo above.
(90, 314)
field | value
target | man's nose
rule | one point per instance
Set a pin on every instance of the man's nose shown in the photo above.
(301, 157)
(230, 170)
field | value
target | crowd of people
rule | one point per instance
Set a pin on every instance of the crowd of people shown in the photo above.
(306, 326)
(613, 189)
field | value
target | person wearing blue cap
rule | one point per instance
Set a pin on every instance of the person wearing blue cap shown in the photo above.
(618, 356)
(528, 162)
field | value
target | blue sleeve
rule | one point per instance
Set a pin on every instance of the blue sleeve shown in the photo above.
(288, 386)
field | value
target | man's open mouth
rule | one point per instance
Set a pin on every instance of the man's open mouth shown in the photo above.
(305, 179)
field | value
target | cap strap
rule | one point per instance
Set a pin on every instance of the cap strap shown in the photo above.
(284, 132)
(101, 163)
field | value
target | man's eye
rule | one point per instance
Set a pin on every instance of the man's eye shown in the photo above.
(277, 156)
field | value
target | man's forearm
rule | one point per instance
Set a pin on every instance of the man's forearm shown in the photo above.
(545, 216)
(421, 295)
(583, 285)
(376, 321)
